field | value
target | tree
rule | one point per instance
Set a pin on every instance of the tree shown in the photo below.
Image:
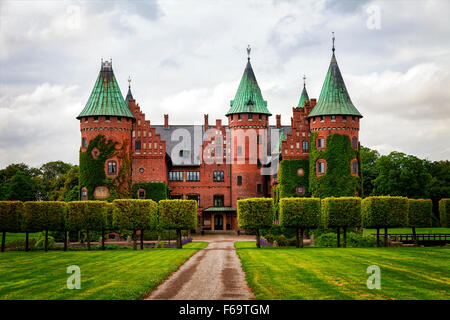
(136, 215)
(53, 177)
(255, 214)
(44, 216)
(87, 216)
(439, 186)
(301, 214)
(343, 212)
(21, 187)
(444, 211)
(419, 214)
(10, 216)
(402, 175)
(179, 215)
(384, 212)
(369, 171)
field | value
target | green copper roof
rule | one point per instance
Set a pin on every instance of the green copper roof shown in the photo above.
(248, 97)
(129, 95)
(334, 98)
(218, 209)
(106, 98)
(304, 97)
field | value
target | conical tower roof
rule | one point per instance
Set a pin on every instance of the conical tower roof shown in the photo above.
(248, 97)
(334, 98)
(304, 97)
(106, 98)
(129, 95)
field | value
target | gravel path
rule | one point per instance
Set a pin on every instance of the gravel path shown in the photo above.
(213, 273)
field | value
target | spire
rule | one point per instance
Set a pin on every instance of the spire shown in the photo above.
(333, 42)
(334, 98)
(248, 97)
(106, 98)
(304, 96)
(129, 95)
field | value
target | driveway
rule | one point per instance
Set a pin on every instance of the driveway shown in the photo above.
(213, 273)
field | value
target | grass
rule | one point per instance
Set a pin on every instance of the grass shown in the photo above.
(409, 230)
(116, 274)
(13, 237)
(332, 273)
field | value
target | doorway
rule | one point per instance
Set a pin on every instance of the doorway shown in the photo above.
(218, 222)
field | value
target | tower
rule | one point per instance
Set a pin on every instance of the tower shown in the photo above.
(334, 143)
(248, 120)
(106, 126)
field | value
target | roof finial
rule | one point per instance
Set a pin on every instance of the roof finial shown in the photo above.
(304, 81)
(249, 49)
(333, 41)
(129, 82)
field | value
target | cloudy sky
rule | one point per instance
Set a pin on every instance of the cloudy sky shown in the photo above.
(186, 58)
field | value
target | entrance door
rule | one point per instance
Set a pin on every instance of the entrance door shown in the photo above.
(218, 222)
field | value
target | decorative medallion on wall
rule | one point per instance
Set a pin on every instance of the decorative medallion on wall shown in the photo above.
(101, 192)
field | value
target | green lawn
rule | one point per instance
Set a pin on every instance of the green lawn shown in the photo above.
(332, 273)
(11, 237)
(112, 274)
(409, 230)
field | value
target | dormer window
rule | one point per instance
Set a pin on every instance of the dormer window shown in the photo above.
(333, 118)
(322, 118)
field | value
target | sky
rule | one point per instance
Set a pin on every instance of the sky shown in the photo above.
(186, 58)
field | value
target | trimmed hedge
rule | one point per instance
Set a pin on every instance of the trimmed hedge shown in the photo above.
(10, 219)
(255, 214)
(384, 212)
(155, 191)
(344, 212)
(44, 215)
(420, 213)
(444, 212)
(87, 216)
(135, 215)
(299, 213)
(179, 215)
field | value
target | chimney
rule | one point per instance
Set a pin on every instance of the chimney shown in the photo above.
(206, 122)
(166, 121)
(218, 122)
(278, 121)
(313, 103)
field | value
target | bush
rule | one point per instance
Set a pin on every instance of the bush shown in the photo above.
(299, 213)
(135, 215)
(420, 212)
(354, 240)
(282, 241)
(10, 216)
(326, 240)
(277, 230)
(344, 212)
(40, 242)
(444, 212)
(179, 215)
(255, 214)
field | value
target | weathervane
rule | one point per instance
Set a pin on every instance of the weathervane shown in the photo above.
(248, 51)
(304, 81)
(129, 81)
(333, 41)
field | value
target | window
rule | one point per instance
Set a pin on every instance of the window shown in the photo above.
(95, 119)
(239, 117)
(305, 146)
(300, 190)
(137, 145)
(320, 167)
(107, 118)
(218, 176)
(353, 118)
(119, 119)
(259, 187)
(258, 139)
(239, 180)
(193, 176)
(260, 117)
(300, 172)
(112, 167)
(176, 175)
(250, 116)
(297, 145)
(322, 118)
(84, 142)
(83, 194)
(218, 200)
(239, 150)
(314, 119)
(354, 167)
(195, 197)
(141, 194)
(344, 118)
(333, 118)
(355, 142)
(320, 143)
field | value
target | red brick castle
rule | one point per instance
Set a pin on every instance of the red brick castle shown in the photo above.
(123, 154)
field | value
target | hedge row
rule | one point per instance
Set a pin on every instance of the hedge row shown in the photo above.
(444, 212)
(255, 214)
(130, 215)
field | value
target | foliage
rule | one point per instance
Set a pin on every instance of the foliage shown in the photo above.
(354, 240)
(86, 215)
(53, 177)
(44, 215)
(22, 187)
(384, 212)
(341, 212)
(420, 212)
(338, 180)
(178, 214)
(439, 186)
(276, 230)
(369, 172)
(135, 214)
(40, 242)
(255, 213)
(300, 212)
(289, 179)
(444, 211)
(155, 191)
(10, 216)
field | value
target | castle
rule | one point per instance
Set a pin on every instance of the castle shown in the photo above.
(123, 154)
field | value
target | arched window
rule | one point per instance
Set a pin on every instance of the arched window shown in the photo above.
(321, 167)
(84, 196)
(320, 143)
(84, 142)
(354, 167)
(141, 194)
(300, 190)
(112, 167)
(355, 142)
